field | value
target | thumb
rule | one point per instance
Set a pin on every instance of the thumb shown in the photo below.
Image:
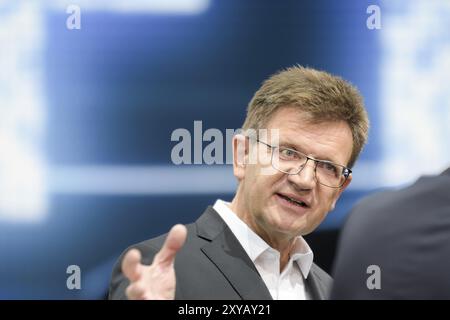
(174, 241)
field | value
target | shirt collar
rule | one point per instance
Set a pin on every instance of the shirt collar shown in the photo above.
(254, 245)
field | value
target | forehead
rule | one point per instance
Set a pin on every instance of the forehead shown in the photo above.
(328, 140)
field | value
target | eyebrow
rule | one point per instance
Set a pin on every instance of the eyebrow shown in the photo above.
(300, 149)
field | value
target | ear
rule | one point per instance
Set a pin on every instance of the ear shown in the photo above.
(240, 155)
(347, 182)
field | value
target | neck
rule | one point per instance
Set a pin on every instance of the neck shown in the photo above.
(279, 241)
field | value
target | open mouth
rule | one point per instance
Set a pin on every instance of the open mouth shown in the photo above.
(293, 201)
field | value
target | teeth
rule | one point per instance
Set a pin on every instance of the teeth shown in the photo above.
(297, 202)
(300, 203)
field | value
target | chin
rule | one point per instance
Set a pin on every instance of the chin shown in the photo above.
(285, 228)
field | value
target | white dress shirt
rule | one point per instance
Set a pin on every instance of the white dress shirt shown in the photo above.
(287, 285)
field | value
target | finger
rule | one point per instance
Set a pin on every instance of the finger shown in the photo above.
(135, 291)
(174, 241)
(131, 265)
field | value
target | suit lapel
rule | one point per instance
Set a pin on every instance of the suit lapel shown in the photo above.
(314, 285)
(225, 251)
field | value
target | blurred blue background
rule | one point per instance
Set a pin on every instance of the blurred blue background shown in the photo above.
(86, 116)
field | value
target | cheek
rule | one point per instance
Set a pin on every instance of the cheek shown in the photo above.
(269, 186)
(326, 200)
(332, 200)
(262, 182)
(264, 178)
(260, 190)
(252, 183)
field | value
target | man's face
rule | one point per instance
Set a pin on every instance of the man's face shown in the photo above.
(262, 203)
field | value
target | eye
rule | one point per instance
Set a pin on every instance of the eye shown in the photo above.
(288, 154)
(328, 167)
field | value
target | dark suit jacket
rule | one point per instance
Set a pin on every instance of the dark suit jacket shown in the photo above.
(407, 234)
(213, 265)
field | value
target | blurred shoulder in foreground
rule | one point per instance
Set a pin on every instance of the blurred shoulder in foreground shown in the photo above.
(396, 244)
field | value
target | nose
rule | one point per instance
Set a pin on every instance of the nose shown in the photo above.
(306, 178)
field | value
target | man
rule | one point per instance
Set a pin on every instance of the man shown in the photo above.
(289, 179)
(396, 244)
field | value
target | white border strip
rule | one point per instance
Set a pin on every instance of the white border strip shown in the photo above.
(171, 179)
(142, 180)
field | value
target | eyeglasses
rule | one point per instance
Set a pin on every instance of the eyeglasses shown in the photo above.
(292, 162)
